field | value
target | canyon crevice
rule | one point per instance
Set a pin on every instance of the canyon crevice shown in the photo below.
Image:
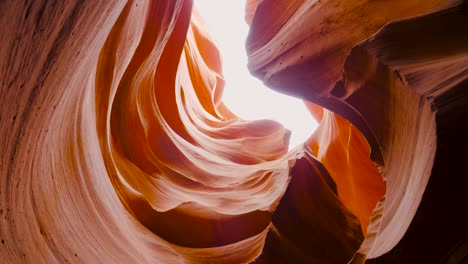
(116, 146)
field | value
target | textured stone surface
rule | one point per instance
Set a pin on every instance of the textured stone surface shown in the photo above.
(115, 146)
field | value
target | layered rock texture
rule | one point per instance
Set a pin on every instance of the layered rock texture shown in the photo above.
(116, 147)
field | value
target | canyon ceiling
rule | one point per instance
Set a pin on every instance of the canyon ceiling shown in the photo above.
(116, 147)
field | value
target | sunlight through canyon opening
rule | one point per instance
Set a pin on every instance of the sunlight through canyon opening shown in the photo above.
(245, 95)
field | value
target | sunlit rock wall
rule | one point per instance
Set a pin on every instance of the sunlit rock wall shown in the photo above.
(397, 72)
(116, 147)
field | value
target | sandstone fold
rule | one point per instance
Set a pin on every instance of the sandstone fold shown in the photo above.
(379, 69)
(116, 146)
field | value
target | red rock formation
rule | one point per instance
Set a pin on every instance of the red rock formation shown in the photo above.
(390, 84)
(116, 146)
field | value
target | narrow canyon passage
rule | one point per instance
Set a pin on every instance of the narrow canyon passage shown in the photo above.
(118, 143)
(245, 95)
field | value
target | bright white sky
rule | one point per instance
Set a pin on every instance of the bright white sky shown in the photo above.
(245, 95)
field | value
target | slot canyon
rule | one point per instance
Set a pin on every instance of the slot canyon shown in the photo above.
(116, 146)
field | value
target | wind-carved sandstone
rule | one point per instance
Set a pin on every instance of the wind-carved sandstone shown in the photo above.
(116, 146)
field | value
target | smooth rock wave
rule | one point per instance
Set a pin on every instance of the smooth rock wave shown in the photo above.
(116, 146)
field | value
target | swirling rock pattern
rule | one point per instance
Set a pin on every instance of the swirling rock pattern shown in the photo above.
(116, 146)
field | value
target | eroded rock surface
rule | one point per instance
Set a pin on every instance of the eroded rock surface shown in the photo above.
(116, 146)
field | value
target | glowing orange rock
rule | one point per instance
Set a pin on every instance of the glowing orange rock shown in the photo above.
(344, 57)
(116, 146)
(122, 150)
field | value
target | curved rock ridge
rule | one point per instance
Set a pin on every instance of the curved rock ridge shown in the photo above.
(117, 147)
(395, 71)
(184, 166)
